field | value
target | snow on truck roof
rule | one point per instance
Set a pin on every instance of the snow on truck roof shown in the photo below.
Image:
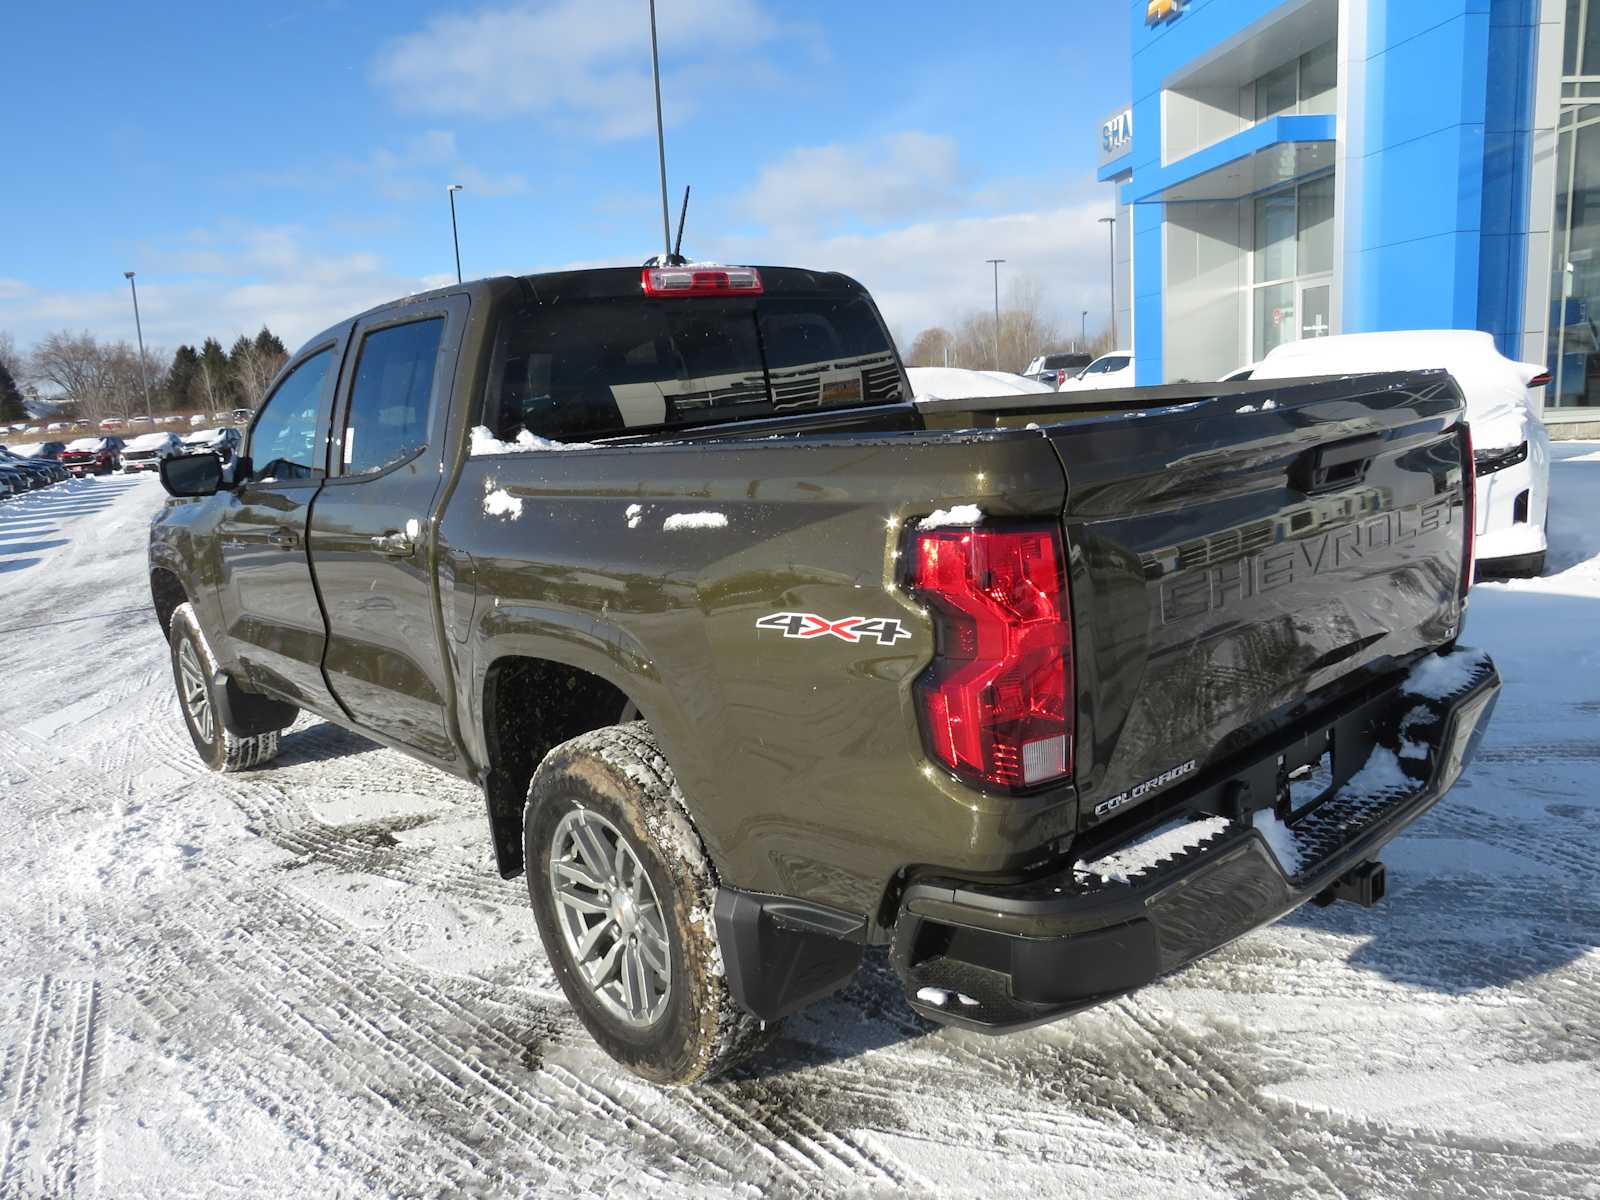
(93, 443)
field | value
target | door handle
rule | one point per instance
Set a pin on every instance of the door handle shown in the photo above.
(288, 539)
(394, 545)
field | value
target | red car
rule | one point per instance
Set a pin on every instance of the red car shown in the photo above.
(93, 456)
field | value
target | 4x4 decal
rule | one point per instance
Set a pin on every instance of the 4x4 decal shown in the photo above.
(884, 630)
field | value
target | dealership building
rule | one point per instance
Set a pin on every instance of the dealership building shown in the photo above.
(1298, 168)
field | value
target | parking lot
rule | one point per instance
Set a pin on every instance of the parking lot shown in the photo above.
(309, 981)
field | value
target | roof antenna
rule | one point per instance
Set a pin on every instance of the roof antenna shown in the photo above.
(661, 142)
(676, 258)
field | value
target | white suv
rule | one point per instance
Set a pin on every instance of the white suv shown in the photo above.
(1114, 370)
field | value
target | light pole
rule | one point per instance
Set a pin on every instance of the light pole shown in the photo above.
(138, 329)
(995, 263)
(1111, 239)
(455, 237)
(1083, 330)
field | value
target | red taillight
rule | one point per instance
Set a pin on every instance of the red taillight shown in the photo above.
(1061, 377)
(702, 281)
(997, 700)
(1469, 508)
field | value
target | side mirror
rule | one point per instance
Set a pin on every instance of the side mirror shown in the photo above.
(192, 474)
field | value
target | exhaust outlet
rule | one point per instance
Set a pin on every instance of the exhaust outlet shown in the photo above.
(1365, 885)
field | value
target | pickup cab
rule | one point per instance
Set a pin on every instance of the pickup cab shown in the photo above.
(760, 664)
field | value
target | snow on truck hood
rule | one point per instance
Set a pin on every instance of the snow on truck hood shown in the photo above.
(149, 441)
(958, 383)
(1495, 387)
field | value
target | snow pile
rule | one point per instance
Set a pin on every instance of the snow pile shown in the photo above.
(694, 520)
(1246, 408)
(484, 442)
(957, 383)
(1441, 675)
(1130, 861)
(1280, 840)
(956, 517)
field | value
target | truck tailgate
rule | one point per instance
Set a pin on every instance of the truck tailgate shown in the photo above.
(1239, 561)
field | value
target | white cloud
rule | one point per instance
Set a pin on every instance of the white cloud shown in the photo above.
(933, 272)
(422, 164)
(896, 177)
(585, 62)
(219, 283)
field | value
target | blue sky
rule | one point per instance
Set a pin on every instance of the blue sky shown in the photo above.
(287, 163)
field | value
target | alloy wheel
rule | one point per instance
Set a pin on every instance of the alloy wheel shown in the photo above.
(610, 918)
(196, 697)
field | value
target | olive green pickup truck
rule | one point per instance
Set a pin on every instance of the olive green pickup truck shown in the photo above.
(760, 663)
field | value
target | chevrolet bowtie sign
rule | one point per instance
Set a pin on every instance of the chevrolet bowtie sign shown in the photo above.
(1162, 10)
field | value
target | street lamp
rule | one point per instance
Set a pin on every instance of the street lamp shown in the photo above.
(1111, 238)
(995, 263)
(455, 237)
(138, 328)
(1083, 329)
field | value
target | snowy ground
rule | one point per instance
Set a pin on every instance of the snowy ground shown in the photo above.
(308, 980)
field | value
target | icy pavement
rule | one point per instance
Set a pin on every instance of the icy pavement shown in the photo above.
(309, 981)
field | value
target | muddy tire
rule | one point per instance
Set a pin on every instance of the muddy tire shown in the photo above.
(622, 891)
(193, 670)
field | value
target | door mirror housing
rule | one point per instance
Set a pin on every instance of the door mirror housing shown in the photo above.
(192, 474)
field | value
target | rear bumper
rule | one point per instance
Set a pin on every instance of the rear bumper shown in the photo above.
(998, 958)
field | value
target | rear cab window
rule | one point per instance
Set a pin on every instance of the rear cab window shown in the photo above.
(592, 366)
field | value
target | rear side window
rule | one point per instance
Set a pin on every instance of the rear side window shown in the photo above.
(390, 400)
(595, 367)
(283, 440)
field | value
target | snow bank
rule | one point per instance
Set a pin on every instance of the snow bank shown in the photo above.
(1147, 852)
(694, 520)
(946, 518)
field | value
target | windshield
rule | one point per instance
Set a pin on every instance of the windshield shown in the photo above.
(590, 368)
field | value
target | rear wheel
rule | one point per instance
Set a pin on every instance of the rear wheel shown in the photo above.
(623, 892)
(194, 672)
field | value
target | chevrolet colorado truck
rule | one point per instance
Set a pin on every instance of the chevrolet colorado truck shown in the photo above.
(759, 664)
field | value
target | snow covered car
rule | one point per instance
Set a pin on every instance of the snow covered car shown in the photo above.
(958, 383)
(223, 442)
(1052, 369)
(147, 450)
(1510, 444)
(1114, 370)
(93, 455)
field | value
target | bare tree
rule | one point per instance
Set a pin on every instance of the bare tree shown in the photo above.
(933, 348)
(13, 360)
(1026, 329)
(253, 369)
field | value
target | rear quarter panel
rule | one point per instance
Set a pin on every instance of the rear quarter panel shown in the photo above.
(800, 759)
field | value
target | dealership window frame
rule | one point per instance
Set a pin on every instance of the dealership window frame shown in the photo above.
(1579, 117)
(1297, 281)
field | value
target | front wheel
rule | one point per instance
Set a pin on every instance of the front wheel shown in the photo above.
(194, 671)
(622, 892)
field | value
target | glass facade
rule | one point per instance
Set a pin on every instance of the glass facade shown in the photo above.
(1575, 269)
(1293, 265)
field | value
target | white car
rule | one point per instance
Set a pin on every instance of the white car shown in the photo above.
(145, 452)
(1509, 440)
(958, 383)
(1114, 370)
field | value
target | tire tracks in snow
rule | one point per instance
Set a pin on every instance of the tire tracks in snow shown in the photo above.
(48, 1088)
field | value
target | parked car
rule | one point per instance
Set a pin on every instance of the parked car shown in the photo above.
(752, 688)
(93, 456)
(1052, 369)
(1503, 397)
(1108, 371)
(46, 450)
(37, 475)
(197, 420)
(241, 416)
(56, 427)
(951, 383)
(223, 442)
(221, 418)
(147, 450)
(113, 423)
(8, 484)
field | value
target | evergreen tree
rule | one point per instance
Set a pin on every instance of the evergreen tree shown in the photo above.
(181, 376)
(213, 380)
(11, 406)
(269, 345)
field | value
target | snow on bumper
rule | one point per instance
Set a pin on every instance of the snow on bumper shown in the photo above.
(1035, 951)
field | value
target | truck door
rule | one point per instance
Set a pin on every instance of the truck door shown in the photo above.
(268, 601)
(369, 531)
